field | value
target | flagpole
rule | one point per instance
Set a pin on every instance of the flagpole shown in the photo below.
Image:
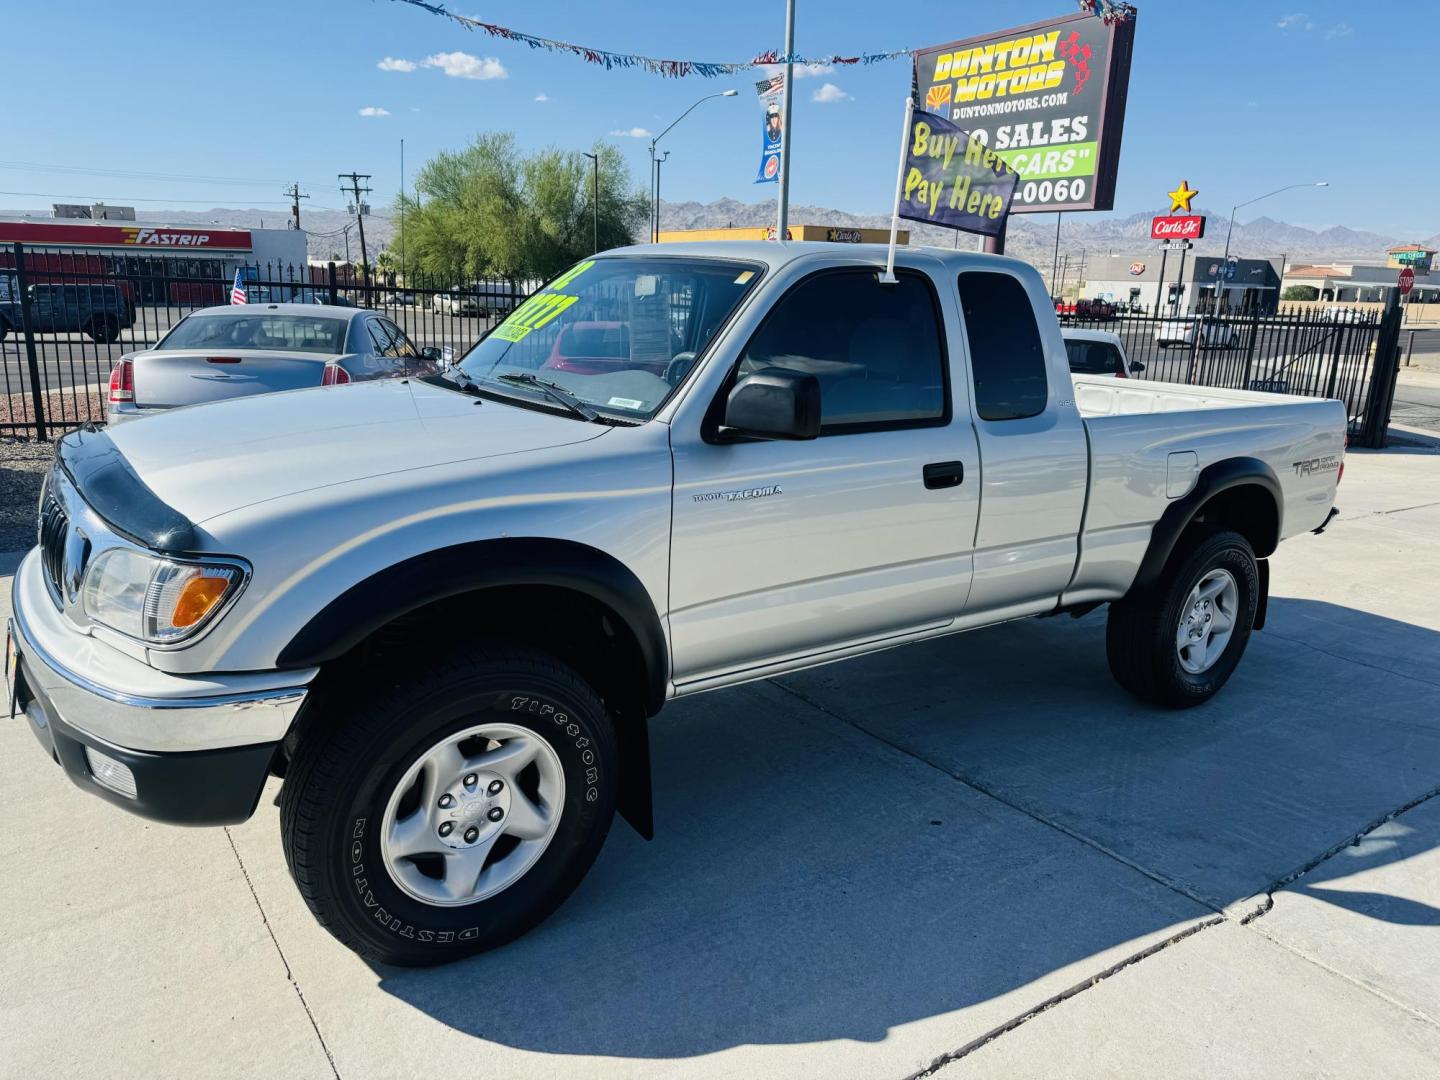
(889, 278)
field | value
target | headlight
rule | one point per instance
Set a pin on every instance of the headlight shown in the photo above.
(161, 601)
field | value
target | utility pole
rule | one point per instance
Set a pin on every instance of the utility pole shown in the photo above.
(356, 192)
(655, 232)
(782, 215)
(294, 192)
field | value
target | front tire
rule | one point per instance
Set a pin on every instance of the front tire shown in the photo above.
(449, 807)
(1177, 642)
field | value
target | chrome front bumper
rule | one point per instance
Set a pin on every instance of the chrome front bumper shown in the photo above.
(98, 690)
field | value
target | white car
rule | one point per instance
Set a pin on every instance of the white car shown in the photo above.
(1098, 352)
(1212, 333)
(443, 609)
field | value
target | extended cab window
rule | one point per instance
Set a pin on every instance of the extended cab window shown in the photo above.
(876, 349)
(1007, 357)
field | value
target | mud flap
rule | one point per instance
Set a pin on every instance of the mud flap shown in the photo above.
(635, 800)
(1262, 604)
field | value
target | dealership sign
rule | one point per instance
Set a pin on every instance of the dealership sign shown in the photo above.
(1049, 98)
(1177, 227)
(126, 236)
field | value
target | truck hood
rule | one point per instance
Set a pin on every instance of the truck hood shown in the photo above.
(209, 459)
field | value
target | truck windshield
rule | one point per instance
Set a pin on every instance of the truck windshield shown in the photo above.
(292, 333)
(619, 333)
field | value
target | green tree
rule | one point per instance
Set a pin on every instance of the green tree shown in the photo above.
(1300, 292)
(386, 264)
(490, 210)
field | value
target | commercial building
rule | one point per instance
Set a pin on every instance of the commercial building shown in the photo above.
(834, 234)
(163, 262)
(1359, 283)
(1190, 282)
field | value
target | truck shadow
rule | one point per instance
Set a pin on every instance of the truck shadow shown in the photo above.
(925, 833)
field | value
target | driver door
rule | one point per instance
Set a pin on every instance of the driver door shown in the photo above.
(784, 550)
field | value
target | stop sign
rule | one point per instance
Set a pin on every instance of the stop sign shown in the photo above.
(1407, 281)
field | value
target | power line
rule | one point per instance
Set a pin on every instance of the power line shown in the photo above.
(132, 174)
(135, 199)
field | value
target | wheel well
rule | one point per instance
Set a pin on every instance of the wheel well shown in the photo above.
(576, 628)
(1250, 510)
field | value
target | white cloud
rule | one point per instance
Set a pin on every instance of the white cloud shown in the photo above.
(542, 96)
(390, 63)
(374, 110)
(1298, 21)
(1339, 30)
(829, 94)
(461, 65)
(633, 133)
(802, 71)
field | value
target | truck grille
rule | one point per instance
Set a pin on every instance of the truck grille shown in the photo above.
(54, 529)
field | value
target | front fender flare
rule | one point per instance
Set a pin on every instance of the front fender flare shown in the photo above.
(436, 575)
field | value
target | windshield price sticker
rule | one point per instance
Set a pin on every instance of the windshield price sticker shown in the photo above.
(542, 307)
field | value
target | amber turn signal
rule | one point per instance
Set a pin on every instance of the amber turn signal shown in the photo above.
(197, 597)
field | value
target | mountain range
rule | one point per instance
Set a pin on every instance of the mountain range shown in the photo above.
(1029, 236)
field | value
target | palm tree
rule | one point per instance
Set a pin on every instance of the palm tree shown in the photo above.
(385, 263)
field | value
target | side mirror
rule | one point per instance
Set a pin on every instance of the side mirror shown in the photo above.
(1136, 366)
(432, 352)
(773, 404)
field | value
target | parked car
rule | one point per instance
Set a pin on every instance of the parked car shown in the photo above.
(1336, 313)
(98, 310)
(480, 298)
(239, 350)
(1212, 333)
(317, 294)
(457, 302)
(1092, 310)
(1098, 352)
(444, 609)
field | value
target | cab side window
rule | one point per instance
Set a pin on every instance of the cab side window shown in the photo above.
(875, 349)
(1007, 356)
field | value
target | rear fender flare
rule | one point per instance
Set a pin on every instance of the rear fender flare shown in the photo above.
(1213, 479)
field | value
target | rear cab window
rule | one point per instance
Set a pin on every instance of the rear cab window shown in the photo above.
(1007, 354)
(1092, 357)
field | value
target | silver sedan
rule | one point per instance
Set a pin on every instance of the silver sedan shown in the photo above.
(242, 349)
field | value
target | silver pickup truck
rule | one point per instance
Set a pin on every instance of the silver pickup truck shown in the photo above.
(443, 609)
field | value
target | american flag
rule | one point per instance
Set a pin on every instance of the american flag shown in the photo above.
(237, 291)
(767, 88)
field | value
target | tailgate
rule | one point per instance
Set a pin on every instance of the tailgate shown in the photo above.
(170, 377)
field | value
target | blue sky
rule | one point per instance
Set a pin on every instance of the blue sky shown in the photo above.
(1236, 98)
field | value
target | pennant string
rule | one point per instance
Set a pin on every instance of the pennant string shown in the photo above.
(1107, 10)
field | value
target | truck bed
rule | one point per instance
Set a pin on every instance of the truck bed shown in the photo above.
(1098, 396)
(1150, 440)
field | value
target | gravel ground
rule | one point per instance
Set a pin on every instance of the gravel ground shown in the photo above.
(65, 407)
(22, 466)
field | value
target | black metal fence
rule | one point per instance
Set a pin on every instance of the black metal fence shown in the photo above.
(1314, 353)
(67, 316)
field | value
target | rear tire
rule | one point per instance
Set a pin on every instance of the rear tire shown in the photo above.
(103, 329)
(1177, 642)
(397, 808)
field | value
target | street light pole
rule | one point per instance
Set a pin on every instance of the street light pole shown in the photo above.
(1219, 286)
(595, 199)
(782, 214)
(655, 236)
(655, 163)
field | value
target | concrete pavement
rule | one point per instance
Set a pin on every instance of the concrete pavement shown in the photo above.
(976, 856)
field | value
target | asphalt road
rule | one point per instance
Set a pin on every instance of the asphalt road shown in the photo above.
(1417, 403)
(976, 854)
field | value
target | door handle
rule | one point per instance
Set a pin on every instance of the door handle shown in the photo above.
(944, 474)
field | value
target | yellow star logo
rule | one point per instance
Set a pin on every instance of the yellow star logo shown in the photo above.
(1181, 196)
